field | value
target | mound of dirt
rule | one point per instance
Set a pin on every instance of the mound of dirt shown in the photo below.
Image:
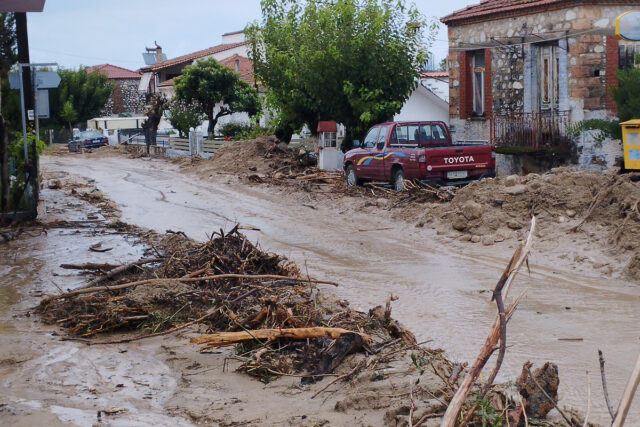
(563, 199)
(263, 155)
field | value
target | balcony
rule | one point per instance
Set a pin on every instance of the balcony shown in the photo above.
(531, 133)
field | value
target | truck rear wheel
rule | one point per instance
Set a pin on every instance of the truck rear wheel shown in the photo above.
(398, 180)
(350, 176)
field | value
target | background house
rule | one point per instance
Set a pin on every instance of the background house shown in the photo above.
(430, 99)
(232, 52)
(125, 98)
(521, 71)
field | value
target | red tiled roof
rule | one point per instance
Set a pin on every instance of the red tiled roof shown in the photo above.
(166, 83)
(489, 8)
(244, 64)
(190, 57)
(328, 126)
(113, 71)
(245, 67)
(435, 74)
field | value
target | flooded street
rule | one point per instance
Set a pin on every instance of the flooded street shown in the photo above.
(567, 314)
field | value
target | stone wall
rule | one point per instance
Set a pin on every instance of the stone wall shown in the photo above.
(125, 98)
(587, 52)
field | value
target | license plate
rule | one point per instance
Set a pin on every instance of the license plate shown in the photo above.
(456, 174)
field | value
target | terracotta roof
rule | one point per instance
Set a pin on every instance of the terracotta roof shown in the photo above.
(244, 64)
(489, 8)
(190, 57)
(327, 126)
(166, 83)
(113, 71)
(245, 67)
(435, 74)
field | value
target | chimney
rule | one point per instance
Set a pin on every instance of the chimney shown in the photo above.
(158, 52)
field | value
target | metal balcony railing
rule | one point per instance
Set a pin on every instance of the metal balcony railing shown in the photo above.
(531, 132)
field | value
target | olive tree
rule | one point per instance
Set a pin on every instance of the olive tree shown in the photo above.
(354, 61)
(217, 89)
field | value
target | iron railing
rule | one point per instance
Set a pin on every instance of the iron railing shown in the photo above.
(540, 131)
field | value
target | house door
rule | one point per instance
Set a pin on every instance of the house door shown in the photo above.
(548, 83)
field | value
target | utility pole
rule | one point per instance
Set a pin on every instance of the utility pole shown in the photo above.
(28, 99)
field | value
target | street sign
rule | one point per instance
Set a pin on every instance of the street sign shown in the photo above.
(628, 26)
(30, 115)
(43, 80)
(14, 80)
(47, 79)
(43, 104)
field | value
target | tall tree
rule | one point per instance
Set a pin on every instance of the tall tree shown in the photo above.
(88, 94)
(217, 89)
(354, 61)
(8, 57)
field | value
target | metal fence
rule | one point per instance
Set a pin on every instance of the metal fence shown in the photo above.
(531, 131)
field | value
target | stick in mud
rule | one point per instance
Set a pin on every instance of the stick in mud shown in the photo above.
(497, 332)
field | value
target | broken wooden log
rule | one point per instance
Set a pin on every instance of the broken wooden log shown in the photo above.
(220, 339)
(123, 268)
(395, 328)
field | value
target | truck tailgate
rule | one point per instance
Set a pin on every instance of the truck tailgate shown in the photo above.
(459, 157)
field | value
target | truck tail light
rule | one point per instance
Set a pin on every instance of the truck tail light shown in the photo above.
(422, 162)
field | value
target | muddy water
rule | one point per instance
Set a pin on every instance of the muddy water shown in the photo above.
(45, 381)
(566, 315)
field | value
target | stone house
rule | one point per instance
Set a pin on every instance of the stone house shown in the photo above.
(520, 72)
(125, 98)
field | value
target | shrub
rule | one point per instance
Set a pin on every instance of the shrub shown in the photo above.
(236, 131)
(184, 116)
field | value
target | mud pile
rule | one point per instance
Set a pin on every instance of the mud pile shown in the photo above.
(263, 155)
(564, 200)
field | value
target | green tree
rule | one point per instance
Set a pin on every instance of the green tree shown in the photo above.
(88, 94)
(354, 61)
(217, 89)
(69, 114)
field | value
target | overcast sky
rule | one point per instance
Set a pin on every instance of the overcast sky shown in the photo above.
(91, 32)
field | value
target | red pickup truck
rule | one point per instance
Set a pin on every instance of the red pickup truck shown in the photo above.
(396, 151)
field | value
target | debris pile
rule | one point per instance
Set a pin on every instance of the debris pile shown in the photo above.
(238, 292)
(261, 156)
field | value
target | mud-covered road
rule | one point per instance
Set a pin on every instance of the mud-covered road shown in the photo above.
(568, 313)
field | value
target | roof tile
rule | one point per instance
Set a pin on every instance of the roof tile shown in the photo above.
(113, 71)
(190, 57)
(487, 8)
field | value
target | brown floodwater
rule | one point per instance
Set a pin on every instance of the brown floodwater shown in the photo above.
(568, 313)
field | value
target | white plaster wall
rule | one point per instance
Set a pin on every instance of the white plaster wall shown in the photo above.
(439, 86)
(233, 38)
(420, 107)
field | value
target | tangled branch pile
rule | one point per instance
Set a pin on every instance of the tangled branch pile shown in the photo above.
(229, 285)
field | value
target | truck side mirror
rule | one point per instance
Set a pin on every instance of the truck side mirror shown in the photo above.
(356, 143)
(380, 145)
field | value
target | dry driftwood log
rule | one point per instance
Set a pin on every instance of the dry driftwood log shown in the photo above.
(497, 333)
(220, 339)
